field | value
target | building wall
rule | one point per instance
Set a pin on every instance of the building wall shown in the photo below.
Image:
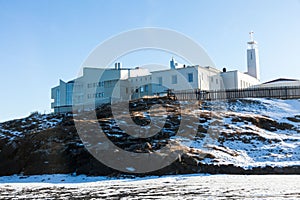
(98, 83)
(246, 81)
(190, 77)
(237, 80)
(210, 78)
(230, 79)
(139, 86)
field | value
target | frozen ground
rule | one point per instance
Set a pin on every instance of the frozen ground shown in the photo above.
(251, 133)
(166, 187)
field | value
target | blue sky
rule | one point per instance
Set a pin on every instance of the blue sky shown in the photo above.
(44, 41)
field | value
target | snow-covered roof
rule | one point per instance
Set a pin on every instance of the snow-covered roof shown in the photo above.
(281, 80)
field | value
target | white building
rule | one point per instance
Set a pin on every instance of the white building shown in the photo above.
(280, 82)
(89, 90)
(238, 80)
(97, 86)
(187, 77)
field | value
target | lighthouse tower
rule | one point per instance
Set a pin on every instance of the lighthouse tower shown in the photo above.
(252, 58)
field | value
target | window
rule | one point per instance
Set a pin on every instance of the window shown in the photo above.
(217, 81)
(146, 88)
(142, 89)
(99, 95)
(57, 97)
(109, 83)
(174, 79)
(100, 84)
(190, 77)
(69, 94)
(212, 79)
(160, 81)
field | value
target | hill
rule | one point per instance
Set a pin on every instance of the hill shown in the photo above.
(254, 136)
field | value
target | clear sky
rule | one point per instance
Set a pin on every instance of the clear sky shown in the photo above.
(47, 40)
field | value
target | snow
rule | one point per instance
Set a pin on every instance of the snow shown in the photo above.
(245, 144)
(35, 123)
(264, 148)
(198, 186)
(51, 178)
(277, 109)
(131, 169)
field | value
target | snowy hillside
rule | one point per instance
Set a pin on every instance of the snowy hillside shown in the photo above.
(252, 133)
(240, 136)
(33, 124)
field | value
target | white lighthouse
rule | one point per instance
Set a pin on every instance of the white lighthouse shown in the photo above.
(253, 58)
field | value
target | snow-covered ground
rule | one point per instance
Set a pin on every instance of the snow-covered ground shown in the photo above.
(250, 133)
(34, 123)
(275, 108)
(166, 187)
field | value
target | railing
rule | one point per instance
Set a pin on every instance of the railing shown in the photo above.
(290, 92)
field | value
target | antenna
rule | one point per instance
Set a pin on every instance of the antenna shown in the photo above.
(251, 36)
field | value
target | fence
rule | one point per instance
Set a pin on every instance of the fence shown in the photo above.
(290, 92)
